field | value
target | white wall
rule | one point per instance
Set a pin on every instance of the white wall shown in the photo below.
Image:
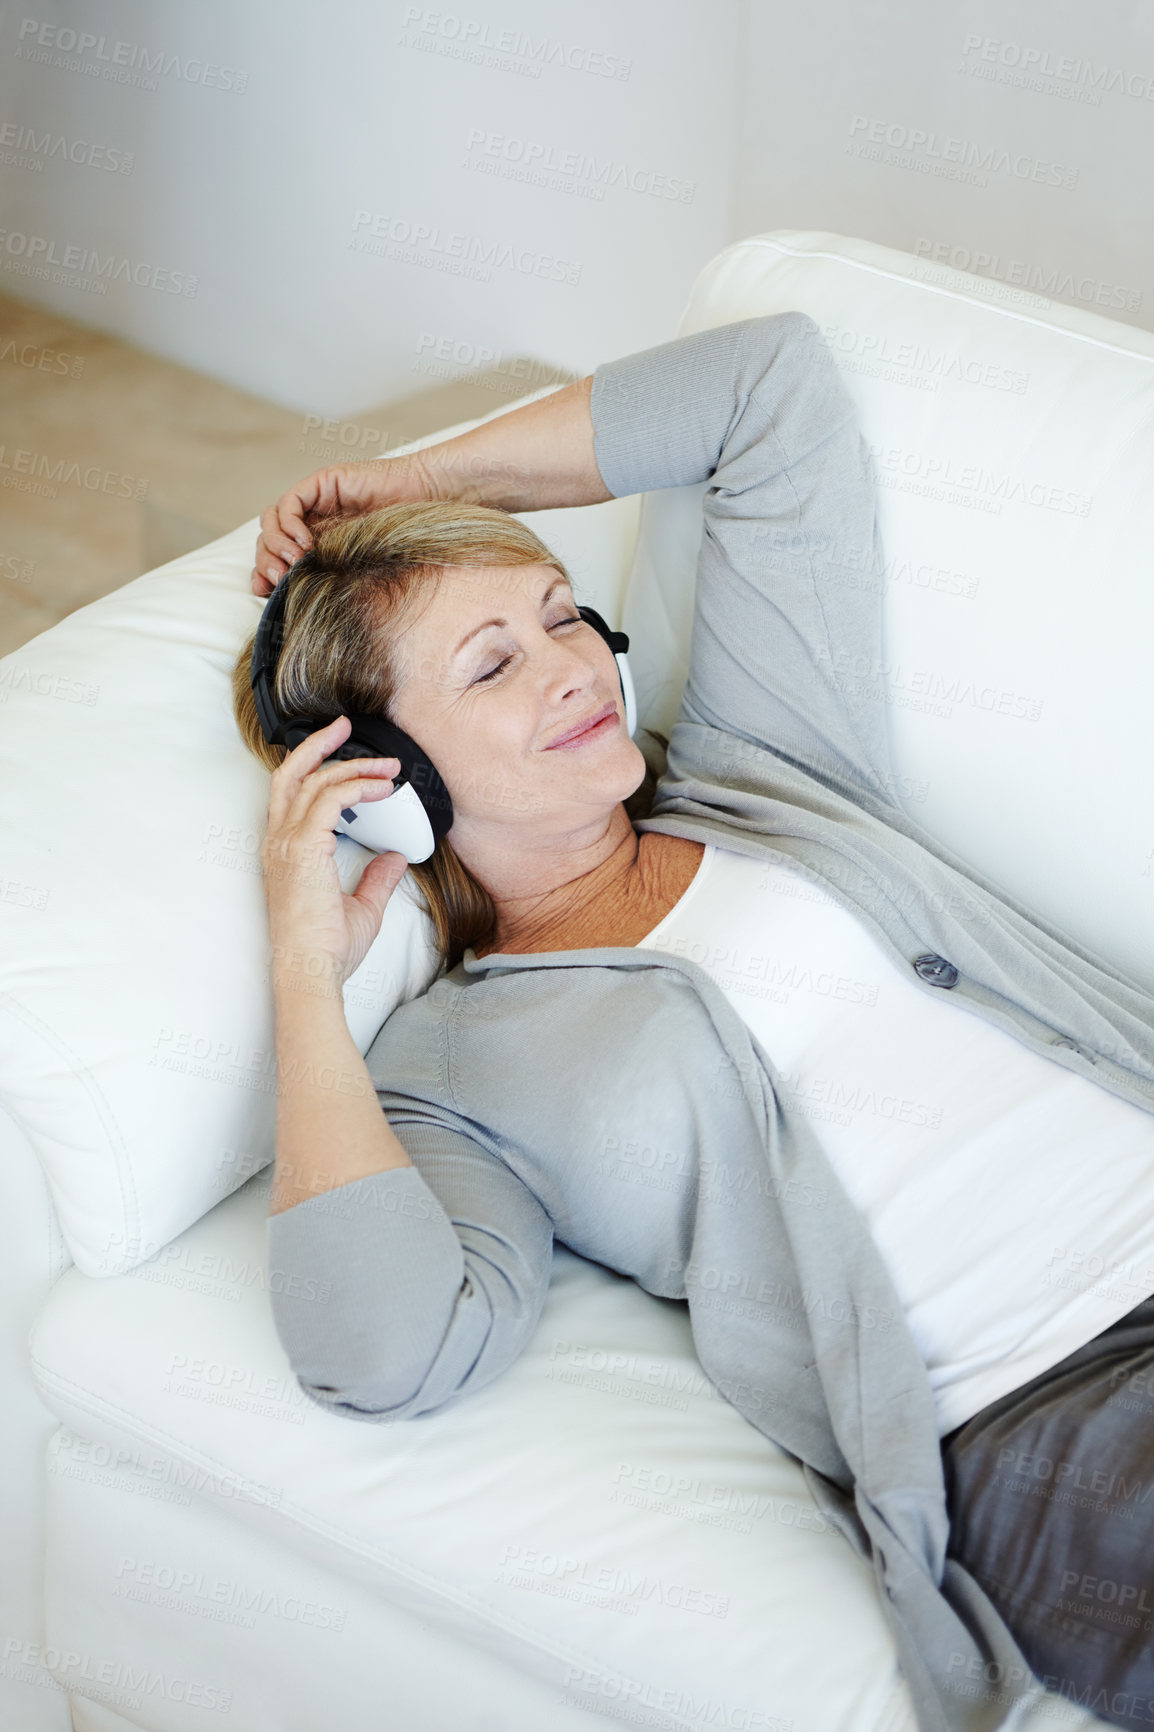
(283, 157)
(923, 125)
(1008, 137)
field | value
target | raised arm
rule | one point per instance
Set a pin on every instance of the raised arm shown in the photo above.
(785, 648)
(530, 459)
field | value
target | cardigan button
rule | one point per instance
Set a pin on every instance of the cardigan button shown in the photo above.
(1064, 1040)
(936, 970)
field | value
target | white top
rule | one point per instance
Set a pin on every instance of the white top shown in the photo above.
(1012, 1201)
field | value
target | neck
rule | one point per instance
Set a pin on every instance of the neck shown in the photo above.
(547, 897)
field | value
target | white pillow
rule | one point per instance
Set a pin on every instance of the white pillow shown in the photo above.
(139, 1045)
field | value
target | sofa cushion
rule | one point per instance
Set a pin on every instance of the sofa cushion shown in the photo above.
(600, 1516)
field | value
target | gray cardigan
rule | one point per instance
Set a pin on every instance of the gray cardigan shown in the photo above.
(523, 1087)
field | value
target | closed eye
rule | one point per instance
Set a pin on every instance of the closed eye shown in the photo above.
(570, 619)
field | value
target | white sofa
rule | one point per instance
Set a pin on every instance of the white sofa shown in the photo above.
(187, 1541)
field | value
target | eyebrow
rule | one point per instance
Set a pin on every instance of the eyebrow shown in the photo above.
(556, 584)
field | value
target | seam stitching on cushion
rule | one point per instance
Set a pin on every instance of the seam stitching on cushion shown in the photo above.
(894, 276)
(102, 1111)
(59, 1258)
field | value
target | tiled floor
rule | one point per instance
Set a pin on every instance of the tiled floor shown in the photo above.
(113, 461)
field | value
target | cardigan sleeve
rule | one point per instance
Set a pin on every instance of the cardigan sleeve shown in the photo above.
(400, 1293)
(785, 648)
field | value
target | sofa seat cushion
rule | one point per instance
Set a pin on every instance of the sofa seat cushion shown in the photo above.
(600, 1516)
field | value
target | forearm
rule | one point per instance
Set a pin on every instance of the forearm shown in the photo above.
(532, 459)
(330, 1128)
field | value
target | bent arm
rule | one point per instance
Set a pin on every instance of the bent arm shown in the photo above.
(405, 1290)
(653, 419)
(786, 643)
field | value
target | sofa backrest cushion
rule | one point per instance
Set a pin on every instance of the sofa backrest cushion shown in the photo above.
(1012, 440)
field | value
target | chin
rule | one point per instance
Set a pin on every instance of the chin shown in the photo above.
(640, 765)
(632, 774)
(616, 773)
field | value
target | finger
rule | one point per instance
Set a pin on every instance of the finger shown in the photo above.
(315, 494)
(314, 754)
(350, 490)
(291, 510)
(285, 531)
(269, 567)
(316, 751)
(321, 799)
(379, 879)
(279, 541)
(307, 836)
(307, 759)
(298, 763)
(329, 492)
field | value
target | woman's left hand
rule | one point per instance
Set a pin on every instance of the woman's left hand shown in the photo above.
(342, 490)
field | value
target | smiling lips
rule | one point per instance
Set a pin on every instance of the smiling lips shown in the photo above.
(582, 731)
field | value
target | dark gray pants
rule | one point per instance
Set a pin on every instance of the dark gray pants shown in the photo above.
(1051, 1499)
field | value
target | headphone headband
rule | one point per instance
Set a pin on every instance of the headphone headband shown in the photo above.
(266, 650)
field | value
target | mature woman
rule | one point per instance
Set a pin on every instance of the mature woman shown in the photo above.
(752, 1038)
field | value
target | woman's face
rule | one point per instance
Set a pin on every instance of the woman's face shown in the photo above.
(493, 672)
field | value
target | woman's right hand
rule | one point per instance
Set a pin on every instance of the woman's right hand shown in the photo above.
(319, 935)
(342, 490)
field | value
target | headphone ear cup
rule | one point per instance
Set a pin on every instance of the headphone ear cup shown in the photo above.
(417, 778)
(619, 643)
(628, 693)
(414, 817)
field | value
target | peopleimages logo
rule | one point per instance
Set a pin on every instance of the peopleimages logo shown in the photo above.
(36, 255)
(1037, 69)
(60, 46)
(507, 50)
(612, 1585)
(567, 170)
(901, 146)
(1051, 281)
(922, 364)
(115, 1682)
(513, 374)
(453, 250)
(24, 147)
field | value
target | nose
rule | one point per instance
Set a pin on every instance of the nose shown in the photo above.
(569, 670)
